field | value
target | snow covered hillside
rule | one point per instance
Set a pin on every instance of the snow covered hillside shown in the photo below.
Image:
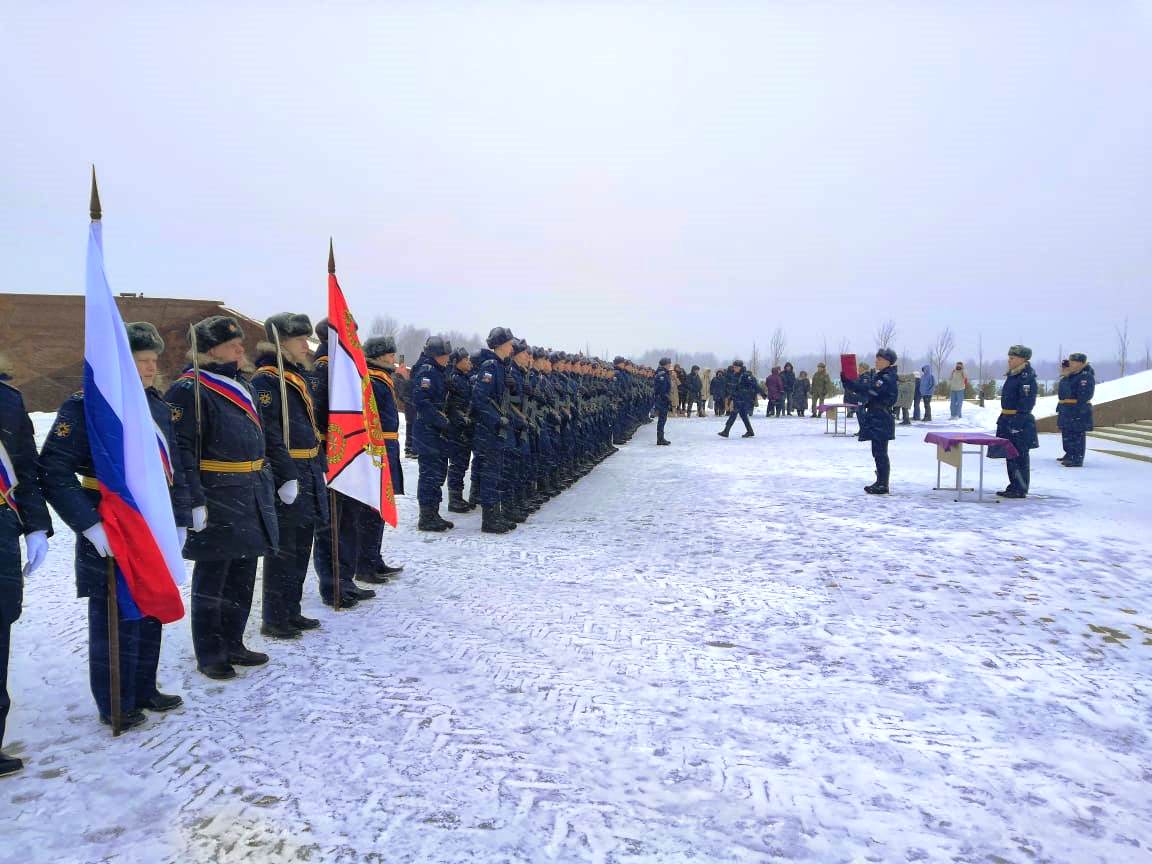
(718, 651)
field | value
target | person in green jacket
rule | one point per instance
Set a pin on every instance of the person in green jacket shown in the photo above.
(821, 388)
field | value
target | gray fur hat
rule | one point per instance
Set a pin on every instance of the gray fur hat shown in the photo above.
(216, 330)
(143, 336)
(288, 325)
(378, 346)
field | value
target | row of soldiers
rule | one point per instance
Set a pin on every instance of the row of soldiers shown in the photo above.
(529, 421)
(245, 457)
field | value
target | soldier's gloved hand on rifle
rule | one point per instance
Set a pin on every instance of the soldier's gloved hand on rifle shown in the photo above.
(289, 491)
(36, 545)
(99, 539)
(199, 519)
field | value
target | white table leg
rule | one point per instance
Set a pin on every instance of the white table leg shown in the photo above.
(980, 493)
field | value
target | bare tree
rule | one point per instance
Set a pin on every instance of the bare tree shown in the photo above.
(1122, 347)
(941, 351)
(980, 368)
(777, 345)
(885, 333)
(824, 355)
(754, 360)
(383, 325)
(1147, 355)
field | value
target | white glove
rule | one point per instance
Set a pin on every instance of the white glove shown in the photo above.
(181, 535)
(289, 491)
(199, 518)
(36, 544)
(96, 536)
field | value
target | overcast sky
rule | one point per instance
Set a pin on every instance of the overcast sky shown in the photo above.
(625, 174)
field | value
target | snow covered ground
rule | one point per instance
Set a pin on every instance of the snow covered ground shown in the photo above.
(718, 651)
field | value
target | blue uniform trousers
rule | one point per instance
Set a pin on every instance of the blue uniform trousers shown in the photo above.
(458, 458)
(349, 512)
(285, 572)
(98, 660)
(487, 465)
(433, 473)
(221, 603)
(5, 699)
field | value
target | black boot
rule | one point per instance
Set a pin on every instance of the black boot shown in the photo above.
(456, 502)
(10, 764)
(430, 520)
(128, 720)
(161, 702)
(877, 488)
(276, 630)
(375, 577)
(491, 522)
(723, 433)
(385, 569)
(302, 623)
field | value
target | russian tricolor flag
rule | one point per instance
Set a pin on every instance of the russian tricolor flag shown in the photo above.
(135, 503)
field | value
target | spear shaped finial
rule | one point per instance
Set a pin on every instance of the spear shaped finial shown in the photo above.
(331, 258)
(94, 204)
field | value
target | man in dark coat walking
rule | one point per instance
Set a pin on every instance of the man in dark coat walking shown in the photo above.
(742, 390)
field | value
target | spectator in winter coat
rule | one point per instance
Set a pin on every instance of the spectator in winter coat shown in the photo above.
(925, 387)
(774, 384)
(718, 391)
(800, 394)
(821, 388)
(1074, 411)
(906, 393)
(876, 393)
(681, 389)
(673, 394)
(788, 378)
(695, 391)
(705, 376)
(957, 385)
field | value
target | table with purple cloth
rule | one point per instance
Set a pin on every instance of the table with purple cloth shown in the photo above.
(950, 450)
(831, 411)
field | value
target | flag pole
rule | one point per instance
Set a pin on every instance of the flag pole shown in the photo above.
(333, 503)
(114, 649)
(284, 424)
(113, 607)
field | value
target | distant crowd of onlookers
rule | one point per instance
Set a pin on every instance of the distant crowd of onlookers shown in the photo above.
(789, 393)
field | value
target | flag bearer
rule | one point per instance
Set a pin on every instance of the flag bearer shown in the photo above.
(68, 478)
(220, 436)
(22, 513)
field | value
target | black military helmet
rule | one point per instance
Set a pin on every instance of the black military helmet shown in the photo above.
(288, 325)
(497, 336)
(216, 330)
(539, 353)
(888, 354)
(437, 346)
(378, 346)
(143, 336)
(459, 354)
(738, 363)
(1077, 357)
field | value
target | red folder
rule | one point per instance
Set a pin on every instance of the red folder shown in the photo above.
(848, 366)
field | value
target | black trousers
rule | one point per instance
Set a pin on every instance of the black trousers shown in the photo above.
(743, 416)
(99, 664)
(371, 535)
(5, 699)
(285, 572)
(348, 510)
(221, 603)
(883, 465)
(1020, 470)
(662, 418)
(1075, 445)
(487, 466)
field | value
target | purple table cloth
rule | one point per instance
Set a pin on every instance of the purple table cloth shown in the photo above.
(827, 405)
(948, 440)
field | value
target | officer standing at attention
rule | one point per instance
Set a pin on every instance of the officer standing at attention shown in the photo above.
(491, 427)
(67, 476)
(22, 513)
(876, 393)
(458, 409)
(1016, 423)
(380, 354)
(662, 398)
(1075, 408)
(429, 394)
(220, 436)
(293, 444)
(742, 389)
(349, 510)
